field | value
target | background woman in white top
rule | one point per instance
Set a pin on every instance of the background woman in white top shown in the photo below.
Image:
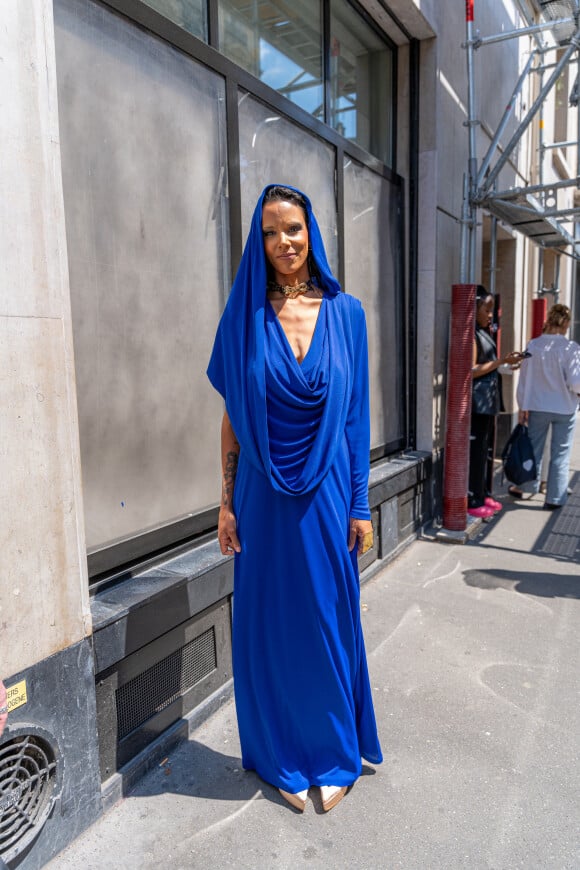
(548, 399)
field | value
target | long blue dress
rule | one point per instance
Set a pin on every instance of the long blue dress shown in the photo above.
(303, 699)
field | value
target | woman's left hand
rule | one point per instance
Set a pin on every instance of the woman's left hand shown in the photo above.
(361, 531)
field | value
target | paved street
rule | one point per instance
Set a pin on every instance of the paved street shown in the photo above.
(474, 654)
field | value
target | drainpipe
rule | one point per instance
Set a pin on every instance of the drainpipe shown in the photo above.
(492, 254)
(541, 149)
(578, 123)
(471, 124)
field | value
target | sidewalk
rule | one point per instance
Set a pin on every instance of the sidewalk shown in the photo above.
(474, 653)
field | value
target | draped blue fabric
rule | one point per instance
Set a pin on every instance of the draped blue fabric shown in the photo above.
(303, 698)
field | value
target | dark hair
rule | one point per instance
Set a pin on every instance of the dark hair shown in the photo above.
(278, 193)
(481, 294)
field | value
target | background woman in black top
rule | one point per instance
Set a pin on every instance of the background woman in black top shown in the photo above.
(486, 404)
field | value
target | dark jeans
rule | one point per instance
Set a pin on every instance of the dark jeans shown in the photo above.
(481, 440)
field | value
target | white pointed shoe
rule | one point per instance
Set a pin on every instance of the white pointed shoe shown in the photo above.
(331, 795)
(297, 800)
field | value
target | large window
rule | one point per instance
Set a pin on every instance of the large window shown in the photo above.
(155, 211)
(286, 45)
(278, 42)
(361, 82)
(283, 44)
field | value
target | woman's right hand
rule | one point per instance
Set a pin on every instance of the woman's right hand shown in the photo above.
(227, 533)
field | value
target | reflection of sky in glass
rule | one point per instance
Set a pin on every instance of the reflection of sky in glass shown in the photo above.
(278, 71)
(345, 110)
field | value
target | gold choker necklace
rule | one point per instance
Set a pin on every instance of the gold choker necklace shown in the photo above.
(292, 292)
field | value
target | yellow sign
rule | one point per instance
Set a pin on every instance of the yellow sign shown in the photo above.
(16, 695)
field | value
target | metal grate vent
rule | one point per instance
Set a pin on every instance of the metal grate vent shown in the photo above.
(164, 682)
(27, 783)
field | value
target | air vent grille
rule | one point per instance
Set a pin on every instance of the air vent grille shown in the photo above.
(27, 781)
(164, 682)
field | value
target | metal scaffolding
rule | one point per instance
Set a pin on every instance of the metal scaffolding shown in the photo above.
(530, 210)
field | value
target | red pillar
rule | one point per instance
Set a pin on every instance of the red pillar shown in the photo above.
(458, 415)
(539, 314)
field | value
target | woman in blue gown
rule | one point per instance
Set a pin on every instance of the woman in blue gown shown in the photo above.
(290, 360)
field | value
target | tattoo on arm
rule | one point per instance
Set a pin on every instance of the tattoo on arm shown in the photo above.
(229, 477)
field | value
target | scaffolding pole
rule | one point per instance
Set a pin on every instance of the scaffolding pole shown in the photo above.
(485, 163)
(532, 112)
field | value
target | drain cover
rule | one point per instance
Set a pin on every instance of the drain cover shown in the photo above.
(27, 786)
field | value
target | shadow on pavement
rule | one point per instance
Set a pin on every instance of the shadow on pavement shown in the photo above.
(198, 771)
(560, 536)
(540, 584)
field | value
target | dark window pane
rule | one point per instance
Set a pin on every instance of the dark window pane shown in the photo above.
(361, 82)
(280, 43)
(189, 14)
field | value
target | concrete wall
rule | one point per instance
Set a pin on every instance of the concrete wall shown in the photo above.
(44, 590)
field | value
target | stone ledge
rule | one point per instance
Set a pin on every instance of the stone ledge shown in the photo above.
(160, 598)
(388, 477)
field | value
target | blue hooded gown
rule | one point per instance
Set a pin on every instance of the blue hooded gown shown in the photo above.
(303, 698)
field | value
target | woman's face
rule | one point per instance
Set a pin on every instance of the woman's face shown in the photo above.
(286, 241)
(484, 315)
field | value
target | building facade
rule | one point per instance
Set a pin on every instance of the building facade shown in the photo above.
(136, 138)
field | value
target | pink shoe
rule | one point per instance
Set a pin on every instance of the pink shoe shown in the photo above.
(493, 504)
(483, 512)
